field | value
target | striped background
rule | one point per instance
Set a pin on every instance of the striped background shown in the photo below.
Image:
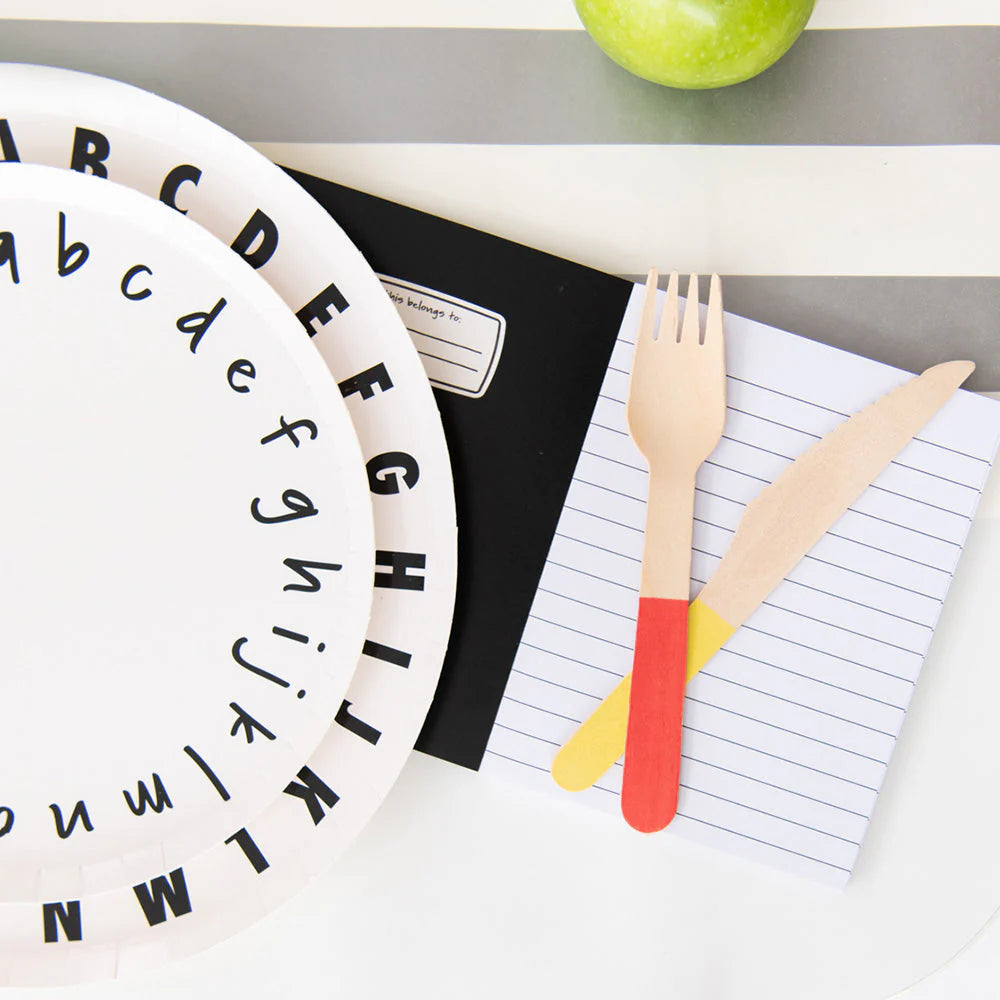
(850, 193)
(862, 155)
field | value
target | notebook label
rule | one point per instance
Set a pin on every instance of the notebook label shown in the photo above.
(459, 343)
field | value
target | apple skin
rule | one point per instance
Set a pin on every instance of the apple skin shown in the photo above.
(695, 44)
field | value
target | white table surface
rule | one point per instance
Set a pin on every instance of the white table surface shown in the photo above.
(464, 886)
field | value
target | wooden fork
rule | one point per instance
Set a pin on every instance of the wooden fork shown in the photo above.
(676, 409)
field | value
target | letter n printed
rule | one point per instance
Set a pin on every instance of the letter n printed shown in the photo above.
(65, 915)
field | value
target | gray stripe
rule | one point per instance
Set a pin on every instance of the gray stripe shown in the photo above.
(911, 323)
(906, 86)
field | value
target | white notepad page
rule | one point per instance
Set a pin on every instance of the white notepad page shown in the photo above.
(789, 728)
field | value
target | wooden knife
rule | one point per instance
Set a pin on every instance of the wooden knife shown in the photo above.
(777, 529)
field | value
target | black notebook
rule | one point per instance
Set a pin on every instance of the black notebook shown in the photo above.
(504, 331)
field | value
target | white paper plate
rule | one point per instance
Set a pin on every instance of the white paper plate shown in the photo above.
(162, 149)
(160, 683)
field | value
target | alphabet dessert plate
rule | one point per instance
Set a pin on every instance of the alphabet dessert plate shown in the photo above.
(115, 131)
(186, 534)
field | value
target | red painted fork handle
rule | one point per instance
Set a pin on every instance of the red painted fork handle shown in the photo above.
(656, 701)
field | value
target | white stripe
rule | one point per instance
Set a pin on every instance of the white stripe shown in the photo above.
(537, 14)
(811, 210)
(989, 506)
(550, 14)
(903, 13)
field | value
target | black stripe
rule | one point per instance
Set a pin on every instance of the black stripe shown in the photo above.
(908, 322)
(892, 86)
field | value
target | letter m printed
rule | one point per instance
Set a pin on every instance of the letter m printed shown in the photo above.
(161, 893)
(142, 794)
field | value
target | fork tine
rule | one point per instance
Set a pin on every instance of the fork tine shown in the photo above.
(691, 332)
(713, 325)
(646, 319)
(668, 318)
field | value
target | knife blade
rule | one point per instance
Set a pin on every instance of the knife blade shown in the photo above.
(777, 529)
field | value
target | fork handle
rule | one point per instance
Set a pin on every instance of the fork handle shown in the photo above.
(659, 667)
(653, 740)
(666, 549)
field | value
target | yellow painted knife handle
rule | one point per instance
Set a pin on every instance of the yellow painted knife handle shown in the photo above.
(600, 741)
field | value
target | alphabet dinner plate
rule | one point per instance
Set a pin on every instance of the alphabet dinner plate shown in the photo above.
(186, 533)
(115, 131)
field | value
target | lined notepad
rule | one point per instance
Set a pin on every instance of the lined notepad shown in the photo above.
(789, 729)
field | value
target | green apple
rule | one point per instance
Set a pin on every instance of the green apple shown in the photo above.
(695, 44)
